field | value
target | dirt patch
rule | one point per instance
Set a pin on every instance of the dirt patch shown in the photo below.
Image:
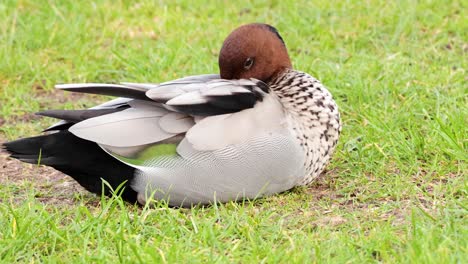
(22, 118)
(45, 183)
(47, 98)
(50, 186)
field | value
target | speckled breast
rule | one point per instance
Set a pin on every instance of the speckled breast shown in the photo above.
(313, 116)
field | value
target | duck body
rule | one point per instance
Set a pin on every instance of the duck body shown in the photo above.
(196, 140)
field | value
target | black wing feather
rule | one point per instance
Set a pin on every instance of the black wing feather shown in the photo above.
(76, 116)
(106, 89)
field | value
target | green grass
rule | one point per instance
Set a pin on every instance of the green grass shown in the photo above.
(395, 191)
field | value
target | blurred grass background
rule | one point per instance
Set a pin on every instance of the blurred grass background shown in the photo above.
(395, 191)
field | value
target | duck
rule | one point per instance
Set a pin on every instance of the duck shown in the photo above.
(255, 129)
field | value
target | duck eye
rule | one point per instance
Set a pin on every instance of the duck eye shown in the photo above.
(248, 63)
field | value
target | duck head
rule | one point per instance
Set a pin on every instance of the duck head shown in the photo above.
(253, 51)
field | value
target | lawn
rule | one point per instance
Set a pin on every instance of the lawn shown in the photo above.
(395, 191)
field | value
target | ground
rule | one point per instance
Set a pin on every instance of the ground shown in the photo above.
(395, 190)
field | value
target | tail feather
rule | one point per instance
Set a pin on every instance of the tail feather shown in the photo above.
(83, 160)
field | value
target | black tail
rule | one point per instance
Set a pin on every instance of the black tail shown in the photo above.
(83, 160)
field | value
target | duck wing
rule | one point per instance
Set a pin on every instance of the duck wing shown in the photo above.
(154, 113)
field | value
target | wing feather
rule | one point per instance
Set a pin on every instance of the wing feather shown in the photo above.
(214, 97)
(77, 115)
(105, 89)
(131, 127)
(207, 109)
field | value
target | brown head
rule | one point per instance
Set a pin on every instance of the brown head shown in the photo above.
(253, 51)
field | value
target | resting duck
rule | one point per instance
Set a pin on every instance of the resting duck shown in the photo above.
(256, 129)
